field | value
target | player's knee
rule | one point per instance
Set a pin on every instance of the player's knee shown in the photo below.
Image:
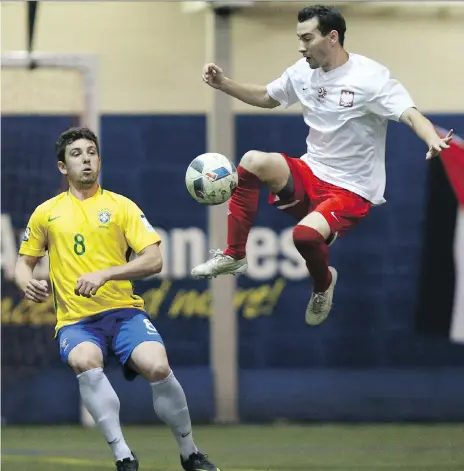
(270, 168)
(158, 371)
(304, 236)
(85, 357)
(312, 227)
(80, 365)
(255, 162)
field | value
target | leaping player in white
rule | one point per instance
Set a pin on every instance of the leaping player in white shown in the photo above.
(347, 100)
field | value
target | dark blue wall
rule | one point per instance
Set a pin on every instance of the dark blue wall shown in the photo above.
(365, 362)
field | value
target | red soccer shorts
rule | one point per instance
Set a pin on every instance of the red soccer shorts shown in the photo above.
(342, 208)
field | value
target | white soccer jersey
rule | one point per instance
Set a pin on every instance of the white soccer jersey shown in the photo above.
(347, 110)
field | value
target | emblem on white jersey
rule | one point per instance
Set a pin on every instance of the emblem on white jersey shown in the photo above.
(346, 98)
(27, 234)
(104, 216)
(321, 93)
(146, 223)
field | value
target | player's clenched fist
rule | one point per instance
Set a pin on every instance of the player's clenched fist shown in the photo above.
(89, 283)
(213, 75)
(37, 291)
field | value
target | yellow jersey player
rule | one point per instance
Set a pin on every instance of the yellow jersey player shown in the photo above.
(90, 234)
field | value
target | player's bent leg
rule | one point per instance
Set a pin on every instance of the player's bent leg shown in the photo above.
(310, 237)
(255, 168)
(150, 360)
(98, 396)
(270, 168)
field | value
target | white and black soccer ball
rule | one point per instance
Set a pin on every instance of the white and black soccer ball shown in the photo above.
(211, 178)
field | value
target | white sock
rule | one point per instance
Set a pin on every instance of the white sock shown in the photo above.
(102, 402)
(171, 407)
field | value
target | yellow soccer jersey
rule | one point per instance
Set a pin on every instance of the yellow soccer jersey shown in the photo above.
(87, 236)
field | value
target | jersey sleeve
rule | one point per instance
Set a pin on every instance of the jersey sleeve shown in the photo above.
(138, 231)
(389, 98)
(34, 241)
(282, 90)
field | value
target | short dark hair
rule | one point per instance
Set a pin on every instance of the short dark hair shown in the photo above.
(74, 134)
(329, 18)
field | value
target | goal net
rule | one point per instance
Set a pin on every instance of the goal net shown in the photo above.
(37, 104)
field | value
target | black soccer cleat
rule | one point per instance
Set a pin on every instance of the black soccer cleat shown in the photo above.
(198, 462)
(127, 464)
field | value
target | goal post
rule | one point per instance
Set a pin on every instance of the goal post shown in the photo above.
(20, 89)
(86, 64)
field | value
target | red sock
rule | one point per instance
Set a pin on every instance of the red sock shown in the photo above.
(243, 207)
(314, 250)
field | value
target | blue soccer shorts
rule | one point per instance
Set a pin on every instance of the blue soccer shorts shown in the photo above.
(117, 331)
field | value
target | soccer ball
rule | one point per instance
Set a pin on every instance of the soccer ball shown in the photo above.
(211, 178)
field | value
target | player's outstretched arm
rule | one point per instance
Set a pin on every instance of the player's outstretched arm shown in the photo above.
(426, 131)
(34, 290)
(148, 262)
(255, 95)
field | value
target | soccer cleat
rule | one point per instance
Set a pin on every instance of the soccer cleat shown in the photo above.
(127, 464)
(321, 303)
(198, 462)
(219, 264)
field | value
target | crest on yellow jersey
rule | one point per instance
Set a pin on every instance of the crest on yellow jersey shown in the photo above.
(104, 216)
(27, 234)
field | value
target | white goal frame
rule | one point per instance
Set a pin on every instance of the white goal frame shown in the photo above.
(87, 66)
